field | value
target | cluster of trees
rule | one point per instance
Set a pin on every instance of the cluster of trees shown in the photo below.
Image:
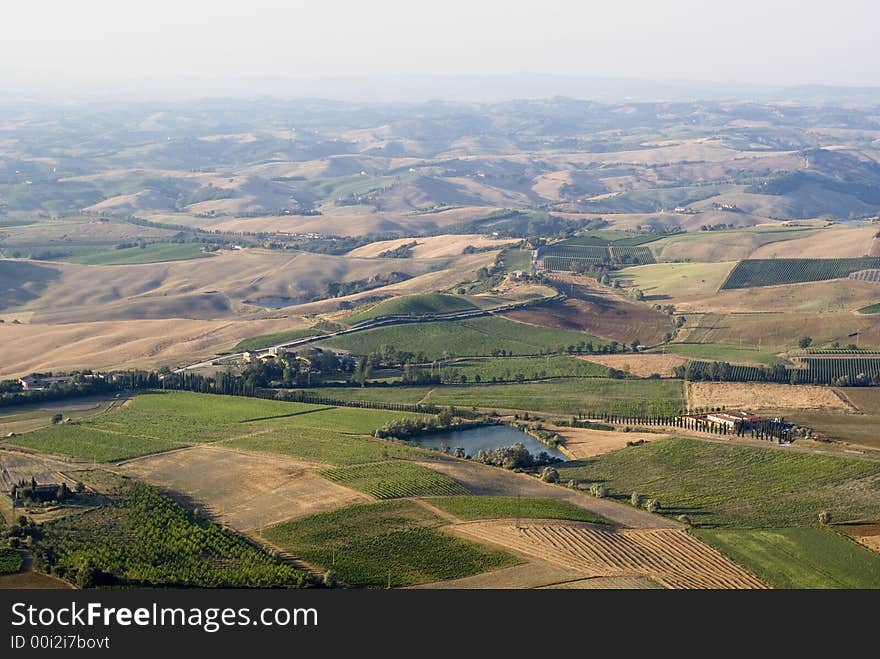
(717, 227)
(82, 383)
(401, 252)
(514, 457)
(407, 428)
(296, 369)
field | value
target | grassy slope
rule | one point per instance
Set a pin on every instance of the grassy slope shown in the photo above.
(161, 421)
(870, 309)
(153, 253)
(729, 485)
(475, 337)
(799, 557)
(415, 305)
(465, 507)
(720, 352)
(393, 541)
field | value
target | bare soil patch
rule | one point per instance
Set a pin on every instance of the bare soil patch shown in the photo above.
(433, 247)
(670, 557)
(16, 466)
(243, 490)
(583, 443)
(640, 365)
(597, 312)
(763, 396)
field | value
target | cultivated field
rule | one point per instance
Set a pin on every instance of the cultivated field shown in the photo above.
(762, 396)
(642, 365)
(245, 491)
(16, 466)
(672, 558)
(799, 558)
(475, 337)
(488, 507)
(721, 484)
(392, 543)
(395, 480)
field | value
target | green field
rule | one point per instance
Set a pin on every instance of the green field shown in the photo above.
(317, 445)
(798, 557)
(392, 542)
(415, 305)
(512, 369)
(262, 341)
(144, 538)
(723, 353)
(870, 309)
(85, 442)
(563, 396)
(465, 507)
(152, 253)
(160, 421)
(10, 561)
(463, 338)
(597, 395)
(719, 484)
(395, 480)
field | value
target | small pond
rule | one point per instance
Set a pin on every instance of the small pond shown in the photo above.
(485, 437)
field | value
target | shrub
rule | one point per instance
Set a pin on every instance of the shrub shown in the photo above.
(684, 519)
(598, 490)
(330, 579)
(549, 475)
(636, 499)
(652, 506)
(825, 517)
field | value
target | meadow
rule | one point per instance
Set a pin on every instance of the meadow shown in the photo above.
(798, 557)
(396, 543)
(512, 369)
(395, 480)
(161, 421)
(494, 507)
(727, 485)
(722, 353)
(464, 338)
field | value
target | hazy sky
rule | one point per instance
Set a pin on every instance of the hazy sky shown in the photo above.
(761, 41)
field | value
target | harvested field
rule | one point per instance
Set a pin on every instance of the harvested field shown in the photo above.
(865, 534)
(639, 365)
(586, 443)
(433, 247)
(485, 480)
(32, 580)
(16, 466)
(763, 396)
(243, 490)
(671, 557)
(607, 583)
(533, 574)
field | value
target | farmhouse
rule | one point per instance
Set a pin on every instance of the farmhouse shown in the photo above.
(732, 419)
(36, 382)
